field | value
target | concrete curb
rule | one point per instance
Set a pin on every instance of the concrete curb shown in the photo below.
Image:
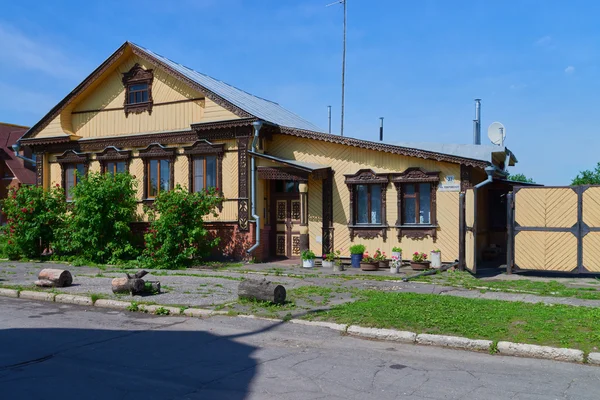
(72, 299)
(330, 325)
(39, 296)
(152, 309)
(454, 342)
(197, 312)
(535, 351)
(383, 334)
(114, 304)
(9, 293)
(593, 358)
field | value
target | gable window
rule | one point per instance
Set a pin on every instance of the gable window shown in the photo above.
(138, 90)
(205, 173)
(417, 192)
(159, 177)
(367, 204)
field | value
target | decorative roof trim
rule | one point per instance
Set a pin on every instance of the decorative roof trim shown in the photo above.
(388, 148)
(111, 153)
(230, 123)
(416, 174)
(158, 150)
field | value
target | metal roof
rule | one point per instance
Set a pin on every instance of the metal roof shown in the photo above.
(304, 166)
(259, 107)
(481, 152)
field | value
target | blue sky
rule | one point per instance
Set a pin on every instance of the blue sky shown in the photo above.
(420, 64)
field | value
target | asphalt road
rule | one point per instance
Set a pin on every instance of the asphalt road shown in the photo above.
(54, 351)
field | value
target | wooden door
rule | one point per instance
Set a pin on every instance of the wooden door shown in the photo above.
(287, 220)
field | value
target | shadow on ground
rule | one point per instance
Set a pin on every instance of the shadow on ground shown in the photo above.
(123, 364)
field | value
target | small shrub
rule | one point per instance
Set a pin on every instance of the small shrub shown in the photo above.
(134, 307)
(161, 311)
(357, 249)
(308, 255)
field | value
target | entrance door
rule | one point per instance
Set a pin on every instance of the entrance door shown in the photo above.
(286, 206)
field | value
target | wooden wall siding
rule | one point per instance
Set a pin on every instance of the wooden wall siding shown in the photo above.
(230, 175)
(182, 173)
(548, 207)
(591, 251)
(447, 215)
(136, 168)
(55, 174)
(348, 160)
(548, 251)
(470, 207)
(228, 214)
(469, 252)
(591, 207)
(53, 128)
(94, 166)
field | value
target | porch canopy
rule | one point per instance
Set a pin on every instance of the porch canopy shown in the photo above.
(292, 170)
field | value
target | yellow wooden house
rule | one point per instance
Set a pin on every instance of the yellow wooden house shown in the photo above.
(287, 185)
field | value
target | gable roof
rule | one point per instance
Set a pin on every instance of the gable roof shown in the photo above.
(9, 134)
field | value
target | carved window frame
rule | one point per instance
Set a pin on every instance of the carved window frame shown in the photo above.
(113, 155)
(135, 76)
(367, 177)
(415, 176)
(68, 158)
(203, 148)
(157, 151)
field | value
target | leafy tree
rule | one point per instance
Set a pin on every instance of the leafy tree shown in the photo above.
(177, 235)
(588, 177)
(98, 227)
(520, 178)
(33, 217)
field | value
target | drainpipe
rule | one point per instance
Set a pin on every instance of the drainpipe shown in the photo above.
(257, 125)
(16, 147)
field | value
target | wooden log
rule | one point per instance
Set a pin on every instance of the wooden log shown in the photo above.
(262, 290)
(128, 285)
(50, 277)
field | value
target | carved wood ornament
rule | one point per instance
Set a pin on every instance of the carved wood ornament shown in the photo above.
(138, 75)
(112, 154)
(71, 157)
(367, 177)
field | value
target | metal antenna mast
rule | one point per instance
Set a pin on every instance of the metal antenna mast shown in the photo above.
(343, 61)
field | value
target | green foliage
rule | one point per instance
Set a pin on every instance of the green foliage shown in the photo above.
(33, 216)
(162, 311)
(98, 228)
(308, 255)
(397, 249)
(357, 249)
(520, 178)
(177, 236)
(133, 307)
(588, 177)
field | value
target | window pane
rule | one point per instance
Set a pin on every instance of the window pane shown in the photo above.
(70, 180)
(139, 86)
(409, 211)
(409, 189)
(110, 168)
(144, 96)
(153, 189)
(375, 204)
(198, 174)
(211, 171)
(424, 203)
(80, 171)
(120, 166)
(165, 175)
(131, 98)
(292, 187)
(362, 202)
(138, 97)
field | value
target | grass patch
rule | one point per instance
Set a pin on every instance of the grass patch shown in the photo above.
(552, 325)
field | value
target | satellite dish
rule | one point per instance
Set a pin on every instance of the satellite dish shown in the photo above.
(497, 133)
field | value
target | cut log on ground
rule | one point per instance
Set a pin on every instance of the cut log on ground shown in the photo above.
(262, 290)
(130, 284)
(50, 277)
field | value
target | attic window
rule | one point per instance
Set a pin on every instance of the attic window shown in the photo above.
(138, 90)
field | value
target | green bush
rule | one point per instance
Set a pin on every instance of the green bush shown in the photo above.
(33, 217)
(177, 236)
(98, 227)
(357, 249)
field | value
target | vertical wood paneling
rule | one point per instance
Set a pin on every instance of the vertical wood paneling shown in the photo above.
(137, 170)
(315, 215)
(230, 175)
(55, 174)
(181, 171)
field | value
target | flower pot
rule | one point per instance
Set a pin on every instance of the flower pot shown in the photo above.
(369, 266)
(327, 264)
(397, 254)
(436, 259)
(384, 264)
(308, 263)
(394, 270)
(338, 267)
(420, 265)
(355, 259)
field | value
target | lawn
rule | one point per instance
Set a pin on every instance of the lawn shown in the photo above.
(552, 325)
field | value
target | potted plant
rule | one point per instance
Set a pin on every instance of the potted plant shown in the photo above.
(356, 254)
(419, 261)
(380, 257)
(397, 252)
(368, 263)
(329, 258)
(395, 265)
(436, 258)
(308, 259)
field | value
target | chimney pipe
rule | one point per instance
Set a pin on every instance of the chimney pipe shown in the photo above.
(329, 117)
(477, 123)
(381, 130)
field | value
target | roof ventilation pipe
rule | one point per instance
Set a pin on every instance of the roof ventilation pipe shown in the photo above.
(256, 125)
(381, 130)
(16, 147)
(477, 123)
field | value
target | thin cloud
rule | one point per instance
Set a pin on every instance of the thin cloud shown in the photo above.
(21, 51)
(543, 41)
(569, 70)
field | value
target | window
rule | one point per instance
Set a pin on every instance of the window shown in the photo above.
(416, 203)
(205, 173)
(159, 177)
(368, 204)
(73, 173)
(287, 186)
(115, 167)
(138, 93)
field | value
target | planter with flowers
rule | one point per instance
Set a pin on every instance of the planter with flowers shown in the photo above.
(380, 257)
(397, 252)
(395, 265)
(308, 259)
(368, 263)
(419, 261)
(330, 258)
(436, 258)
(356, 254)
